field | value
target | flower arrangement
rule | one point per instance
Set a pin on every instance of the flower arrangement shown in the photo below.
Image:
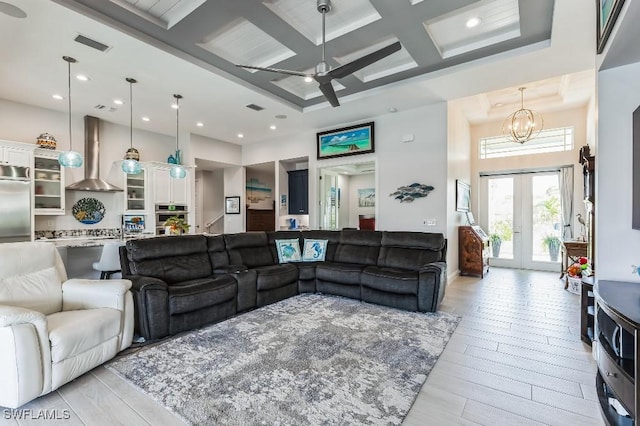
(580, 268)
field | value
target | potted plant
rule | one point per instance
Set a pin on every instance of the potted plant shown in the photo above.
(502, 230)
(176, 225)
(496, 241)
(552, 243)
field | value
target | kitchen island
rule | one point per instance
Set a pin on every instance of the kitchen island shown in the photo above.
(79, 253)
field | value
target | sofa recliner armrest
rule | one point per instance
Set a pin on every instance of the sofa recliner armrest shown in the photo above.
(25, 357)
(91, 294)
(151, 300)
(431, 286)
(142, 283)
(13, 315)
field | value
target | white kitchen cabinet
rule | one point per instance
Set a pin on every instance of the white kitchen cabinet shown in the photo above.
(48, 183)
(135, 192)
(167, 190)
(15, 154)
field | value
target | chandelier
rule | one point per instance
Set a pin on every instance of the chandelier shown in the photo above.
(522, 125)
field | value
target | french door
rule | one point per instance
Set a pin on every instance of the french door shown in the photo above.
(521, 213)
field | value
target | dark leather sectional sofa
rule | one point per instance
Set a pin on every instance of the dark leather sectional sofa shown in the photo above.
(184, 282)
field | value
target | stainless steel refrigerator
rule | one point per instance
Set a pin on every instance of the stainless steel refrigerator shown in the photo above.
(15, 204)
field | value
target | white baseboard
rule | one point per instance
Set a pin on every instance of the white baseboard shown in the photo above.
(453, 276)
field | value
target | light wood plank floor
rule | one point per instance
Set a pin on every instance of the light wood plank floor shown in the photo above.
(515, 359)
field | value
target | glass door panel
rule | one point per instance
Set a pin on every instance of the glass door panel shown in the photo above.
(329, 205)
(522, 215)
(544, 242)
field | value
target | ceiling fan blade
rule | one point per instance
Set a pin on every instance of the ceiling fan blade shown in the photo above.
(327, 90)
(296, 73)
(358, 64)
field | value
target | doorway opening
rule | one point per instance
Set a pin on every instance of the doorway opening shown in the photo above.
(347, 196)
(522, 214)
(260, 195)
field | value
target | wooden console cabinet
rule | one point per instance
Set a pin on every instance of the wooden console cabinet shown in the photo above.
(473, 251)
(618, 347)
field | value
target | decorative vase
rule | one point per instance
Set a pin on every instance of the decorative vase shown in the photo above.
(495, 248)
(46, 141)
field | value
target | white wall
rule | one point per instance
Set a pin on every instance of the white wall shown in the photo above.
(576, 117)
(212, 187)
(356, 182)
(459, 161)
(213, 150)
(424, 160)
(234, 178)
(344, 206)
(617, 245)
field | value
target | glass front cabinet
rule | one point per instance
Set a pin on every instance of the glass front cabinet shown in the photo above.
(135, 193)
(48, 180)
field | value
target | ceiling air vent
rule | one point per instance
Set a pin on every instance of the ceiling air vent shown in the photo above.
(100, 107)
(255, 107)
(91, 43)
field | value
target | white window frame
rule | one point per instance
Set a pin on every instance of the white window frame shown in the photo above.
(549, 140)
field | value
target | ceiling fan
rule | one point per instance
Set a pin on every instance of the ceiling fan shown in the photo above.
(324, 74)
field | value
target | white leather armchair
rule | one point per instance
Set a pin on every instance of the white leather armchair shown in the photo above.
(52, 329)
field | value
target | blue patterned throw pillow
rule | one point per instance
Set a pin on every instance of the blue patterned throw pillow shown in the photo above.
(288, 250)
(314, 250)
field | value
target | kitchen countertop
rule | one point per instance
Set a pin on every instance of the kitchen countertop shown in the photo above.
(89, 241)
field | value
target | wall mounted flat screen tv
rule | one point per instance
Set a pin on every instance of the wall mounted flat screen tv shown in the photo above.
(635, 214)
(463, 196)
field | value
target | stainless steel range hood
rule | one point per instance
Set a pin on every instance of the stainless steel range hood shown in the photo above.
(92, 181)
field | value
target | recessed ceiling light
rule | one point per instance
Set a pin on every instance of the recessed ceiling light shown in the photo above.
(393, 109)
(240, 135)
(308, 79)
(499, 104)
(273, 127)
(200, 124)
(473, 22)
(118, 102)
(174, 106)
(146, 119)
(57, 97)
(82, 77)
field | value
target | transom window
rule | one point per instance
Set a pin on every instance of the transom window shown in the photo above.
(549, 140)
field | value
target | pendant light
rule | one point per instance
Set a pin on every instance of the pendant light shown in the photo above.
(522, 125)
(70, 158)
(131, 164)
(177, 170)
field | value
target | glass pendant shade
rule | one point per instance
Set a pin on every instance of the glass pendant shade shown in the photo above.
(131, 167)
(523, 125)
(178, 172)
(71, 158)
(131, 164)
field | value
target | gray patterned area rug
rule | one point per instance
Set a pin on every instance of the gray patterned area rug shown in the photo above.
(307, 360)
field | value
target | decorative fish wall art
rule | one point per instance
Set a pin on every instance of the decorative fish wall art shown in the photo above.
(407, 194)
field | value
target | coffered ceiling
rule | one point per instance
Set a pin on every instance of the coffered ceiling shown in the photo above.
(286, 34)
(35, 34)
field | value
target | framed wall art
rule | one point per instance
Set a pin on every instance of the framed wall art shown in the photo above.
(232, 205)
(608, 11)
(352, 140)
(463, 196)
